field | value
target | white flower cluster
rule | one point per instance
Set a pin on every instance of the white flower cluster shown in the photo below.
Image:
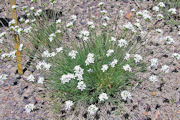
(103, 97)
(52, 37)
(47, 54)
(169, 40)
(104, 67)
(81, 85)
(92, 109)
(176, 56)
(154, 63)
(127, 68)
(172, 10)
(153, 78)
(113, 63)
(72, 54)
(2, 35)
(155, 8)
(91, 24)
(165, 68)
(40, 80)
(11, 54)
(78, 72)
(42, 65)
(68, 104)
(122, 43)
(137, 58)
(31, 78)
(84, 35)
(129, 26)
(109, 52)
(30, 107)
(66, 78)
(127, 56)
(90, 59)
(145, 14)
(126, 95)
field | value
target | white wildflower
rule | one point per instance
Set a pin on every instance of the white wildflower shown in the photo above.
(121, 12)
(12, 22)
(153, 78)
(74, 17)
(159, 31)
(129, 26)
(84, 35)
(126, 95)
(59, 49)
(160, 16)
(172, 10)
(138, 25)
(81, 85)
(78, 72)
(92, 109)
(68, 104)
(90, 59)
(40, 80)
(101, 4)
(104, 24)
(22, 20)
(28, 30)
(3, 34)
(38, 12)
(113, 39)
(155, 8)
(176, 56)
(31, 78)
(122, 43)
(137, 58)
(103, 12)
(58, 31)
(52, 37)
(169, 40)
(27, 21)
(165, 68)
(127, 68)
(69, 25)
(58, 21)
(113, 63)
(67, 77)
(21, 47)
(154, 63)
(30, 107)
(161, 4)
(14, 7)
(104, 67)
(32, 9)
(106, 18)
(103, 97)
(109, 52)
(127, 56)
(72, 54)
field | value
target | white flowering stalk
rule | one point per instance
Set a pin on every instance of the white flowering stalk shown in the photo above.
(122, 43)
(84, 35)
(165, 69)
(103, 97)
(113, 63)
(72, 54)
(90, 59)
(176, 56)
(104, 67)
(40, 80)
(169, 40)
(153, 78)
(81, 85)
(31, 78)
(92, 109)
(47, 54)
(109, 52)
(44, 65)
(67, 77)
(137, 58)
(30, 107)
(154, 63)
(127, 68)
(3, 77)
(68, 104)
(126, 95)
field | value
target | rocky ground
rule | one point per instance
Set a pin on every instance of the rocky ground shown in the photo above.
(151, 101)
